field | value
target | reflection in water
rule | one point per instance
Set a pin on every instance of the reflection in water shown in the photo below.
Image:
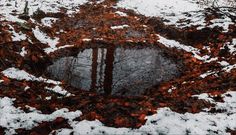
(120, 71)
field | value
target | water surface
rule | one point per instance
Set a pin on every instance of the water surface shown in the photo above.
(116, 70)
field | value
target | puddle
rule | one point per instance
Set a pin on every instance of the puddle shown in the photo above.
(115, 70)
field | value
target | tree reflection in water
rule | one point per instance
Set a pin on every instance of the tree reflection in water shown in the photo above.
(119, 71)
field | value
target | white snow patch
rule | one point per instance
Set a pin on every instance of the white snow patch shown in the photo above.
(229, 103)
(226, 66)
(204, 75)
(50, 50)
(48, 21)
(121, 13)
(204, 96)
(181, 13)
(159, 7)
(99, 1)
(86, 39)
(100, 39)
(62, 131)
(119, 27)
(43, 38)
(176, 44)
(11, 9)
(13, 118)
(59, 90)
(171, 89)
(165, 121)
(16, 36)
(26, 88)
(48, 98)
(190, 49)
(231, 46)
(23, 52)
(15, 73)
(224, 23)
(223, 63)
(229, 68)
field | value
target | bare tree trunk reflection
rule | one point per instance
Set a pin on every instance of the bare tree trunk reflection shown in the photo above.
(94, 69)
(100, 83)
(109, 70)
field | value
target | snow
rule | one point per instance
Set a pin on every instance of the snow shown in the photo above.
(15, 73)
(23, 52)
(226, 66)
(86, 39)
(11, 18)
(50, 50)
(121, 13)
(52, 42)
(11, 9)
(59, 90)
(176, 44)
(13, 118)
(48, 98)
(16, 36)
(224, 23)
(43, 38)
(223, 63)
(204, 96)
(229, 68)
(229, 103)
(204, 75)
(231, 46)
(165, 121)
(99, 1)
(119, 27)
(48, 21)
(26, 88)
(190, 49)
(173, 13)
(99, 39)
(171, 89)
(160, 7)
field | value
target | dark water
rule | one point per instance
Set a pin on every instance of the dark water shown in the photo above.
(116, 71)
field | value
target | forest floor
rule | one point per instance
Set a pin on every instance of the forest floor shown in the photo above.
(202, 100)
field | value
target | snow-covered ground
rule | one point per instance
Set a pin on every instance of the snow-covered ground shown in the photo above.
(17, 74)
(14, 118)
(181, 13)
(231, 46)
(165, 121)
(11, 9)
(175, 44)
